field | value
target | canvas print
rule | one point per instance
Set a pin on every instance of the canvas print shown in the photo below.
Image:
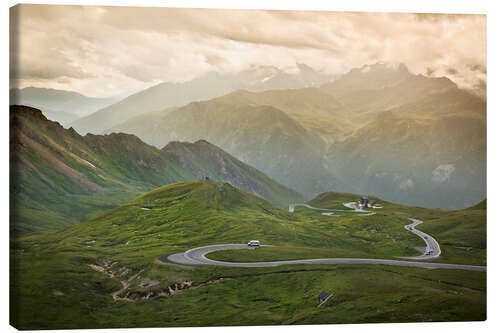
(217, 167)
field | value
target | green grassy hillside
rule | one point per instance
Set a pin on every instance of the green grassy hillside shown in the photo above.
(59, 178)
(460, 233)
(68, 279)
(480, 205)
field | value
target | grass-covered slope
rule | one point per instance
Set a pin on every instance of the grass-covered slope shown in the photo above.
(203, 159)
(68, 279)
(177, 216)
(461, 233)
(59, 177)
(479, 206)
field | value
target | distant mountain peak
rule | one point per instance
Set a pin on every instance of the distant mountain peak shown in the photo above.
(203, 142)
(380, 66)
(63, 106)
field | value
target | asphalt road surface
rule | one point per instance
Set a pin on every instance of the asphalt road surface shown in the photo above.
(197, 257)
(432, 249)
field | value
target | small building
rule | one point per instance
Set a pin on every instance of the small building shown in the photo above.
(323, 297)
(368, 203)
(363, 202)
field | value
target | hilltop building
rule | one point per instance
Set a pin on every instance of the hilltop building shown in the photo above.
(368, 203)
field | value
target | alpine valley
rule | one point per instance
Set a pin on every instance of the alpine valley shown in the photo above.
(369, 187)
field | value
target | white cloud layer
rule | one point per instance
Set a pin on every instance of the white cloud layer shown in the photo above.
(103, 51)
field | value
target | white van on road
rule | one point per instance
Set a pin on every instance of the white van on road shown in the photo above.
(254, 243)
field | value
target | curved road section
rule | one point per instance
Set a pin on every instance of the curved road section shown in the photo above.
(197, 257)
(432, 249)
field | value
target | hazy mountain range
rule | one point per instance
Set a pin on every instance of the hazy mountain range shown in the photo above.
(210, 85)
(59, 105)
(261, 135)
(422, 140)
(377, 129)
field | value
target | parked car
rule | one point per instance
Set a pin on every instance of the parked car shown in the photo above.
(254, 243)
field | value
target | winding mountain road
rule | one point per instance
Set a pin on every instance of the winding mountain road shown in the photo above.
(197, 256)
(432, 250)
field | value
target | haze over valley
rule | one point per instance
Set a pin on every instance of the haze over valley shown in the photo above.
(378, 130)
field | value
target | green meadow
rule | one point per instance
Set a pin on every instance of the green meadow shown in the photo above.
(67, 279)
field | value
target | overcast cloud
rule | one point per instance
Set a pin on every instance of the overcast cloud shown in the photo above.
(103, 51)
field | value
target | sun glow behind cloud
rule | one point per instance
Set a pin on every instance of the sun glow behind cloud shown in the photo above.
(103, 51)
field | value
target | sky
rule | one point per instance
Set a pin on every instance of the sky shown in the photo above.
(108, 51)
